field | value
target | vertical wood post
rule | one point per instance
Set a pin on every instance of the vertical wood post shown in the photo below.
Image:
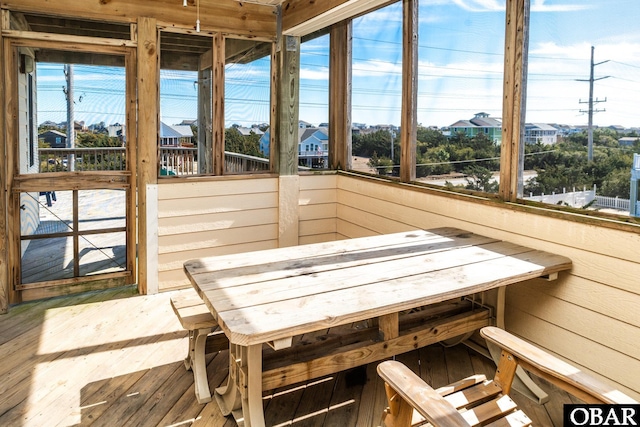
(288, 103)
(218, 103)
(4, 271)
(205, 107)
(409, 119)
(288, 100)
(11, 168)
(148, 107)
(512, 102)
(274, 124)
(340, 134)
(132, 165)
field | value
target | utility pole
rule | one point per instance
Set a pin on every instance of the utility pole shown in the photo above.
(591, 102)
(71, 131)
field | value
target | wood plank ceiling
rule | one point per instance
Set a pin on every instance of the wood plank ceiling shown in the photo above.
(178, 50)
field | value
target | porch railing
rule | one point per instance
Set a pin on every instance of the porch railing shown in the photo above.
(240, 163)
(180, 161)
(183, 161)
(81, 159)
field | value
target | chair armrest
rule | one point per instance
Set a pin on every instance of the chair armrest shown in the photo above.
(420, 395)
(554, 370)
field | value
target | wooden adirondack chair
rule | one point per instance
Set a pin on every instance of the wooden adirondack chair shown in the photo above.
(475, 401)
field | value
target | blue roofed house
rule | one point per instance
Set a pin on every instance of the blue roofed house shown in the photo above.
(480, 123)
(313, 146)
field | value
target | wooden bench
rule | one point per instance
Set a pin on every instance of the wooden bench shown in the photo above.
(312, 356)
(204, 337)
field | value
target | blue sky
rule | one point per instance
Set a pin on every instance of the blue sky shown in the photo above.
(460, 69)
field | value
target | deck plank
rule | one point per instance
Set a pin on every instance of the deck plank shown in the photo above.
(109, 358)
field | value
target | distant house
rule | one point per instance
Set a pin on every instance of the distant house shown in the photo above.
(50, 124)
(244, 131)
(79, 126)
(480, 123)
(617, 128)
(313, 146)
(265, 143)
(628, 140)
(117, 131)
(389, 128)
(563, 129)
(540, 133)
(53, 139)
(175, 136)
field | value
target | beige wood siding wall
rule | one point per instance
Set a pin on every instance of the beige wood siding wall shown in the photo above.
(589, 316)
(317, 202)
(213, 218)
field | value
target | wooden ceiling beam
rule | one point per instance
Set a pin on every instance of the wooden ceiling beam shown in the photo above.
(301, 17)
(215, 15)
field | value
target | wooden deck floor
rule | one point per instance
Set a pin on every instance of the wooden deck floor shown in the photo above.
(111, 358)
(53, 258)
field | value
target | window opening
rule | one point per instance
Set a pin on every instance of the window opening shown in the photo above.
(314, 102)
(185, 140)
(377, 90)
(460, 77)
(581, 130)
(247, 102)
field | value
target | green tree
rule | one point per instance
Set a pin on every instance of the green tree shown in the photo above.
(480, 178)
(366, 144)
(88, 139)
(382, 165)
(435, 161)
(235, 142)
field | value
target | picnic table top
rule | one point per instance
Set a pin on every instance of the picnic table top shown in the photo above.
(274, 294)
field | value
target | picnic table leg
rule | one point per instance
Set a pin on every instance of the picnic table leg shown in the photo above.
(228, 396)
(252, 410)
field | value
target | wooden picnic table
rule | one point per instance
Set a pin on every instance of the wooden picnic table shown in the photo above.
(383, 295)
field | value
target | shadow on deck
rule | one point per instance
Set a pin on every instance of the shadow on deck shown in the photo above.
(112, 358)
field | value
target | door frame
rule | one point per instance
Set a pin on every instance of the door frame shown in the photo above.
(12, 291)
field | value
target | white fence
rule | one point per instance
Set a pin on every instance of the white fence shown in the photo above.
(613, 203)
(576, 199)
(580, 199)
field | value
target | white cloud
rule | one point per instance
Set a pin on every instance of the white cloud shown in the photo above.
(481, 5)
(499, 6)
(541, 6)
(375, 68)
(314, 74)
